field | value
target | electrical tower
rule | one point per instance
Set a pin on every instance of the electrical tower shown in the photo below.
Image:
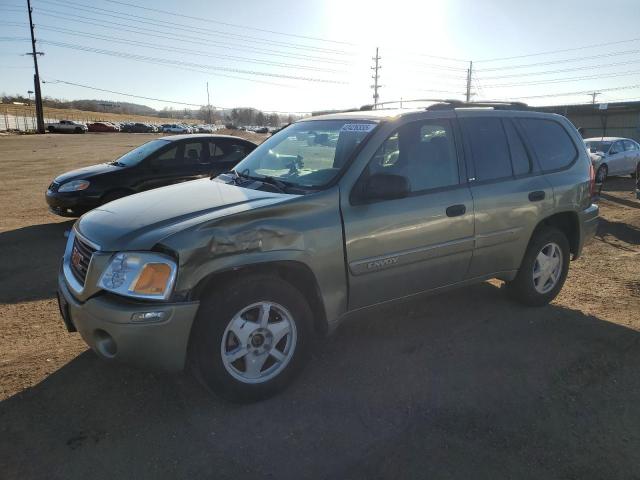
(376, 85)
(36, 76)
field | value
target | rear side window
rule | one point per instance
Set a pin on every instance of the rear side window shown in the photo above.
(489, 147)
(519, 157)
(551, 142)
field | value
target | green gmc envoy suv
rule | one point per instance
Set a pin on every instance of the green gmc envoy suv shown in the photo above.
(234, 276)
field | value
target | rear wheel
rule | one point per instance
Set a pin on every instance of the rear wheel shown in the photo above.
(543, 270)
(251, 338)
(51, 129)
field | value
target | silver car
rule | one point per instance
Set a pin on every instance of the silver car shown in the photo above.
(613, 156)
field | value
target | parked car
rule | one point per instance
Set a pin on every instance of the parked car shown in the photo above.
(66, 126)
(157, 163)
(613, 156)
(102, 127)
(235, 275)
(175, 128)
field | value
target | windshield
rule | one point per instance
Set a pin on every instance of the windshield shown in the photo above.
(599, 146)
(306, 154)
(136, 155)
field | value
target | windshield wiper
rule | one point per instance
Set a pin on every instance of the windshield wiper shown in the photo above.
(279, 184)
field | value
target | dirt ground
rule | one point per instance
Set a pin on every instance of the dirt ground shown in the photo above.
(463, 385)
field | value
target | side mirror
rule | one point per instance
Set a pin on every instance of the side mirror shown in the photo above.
(385, 186)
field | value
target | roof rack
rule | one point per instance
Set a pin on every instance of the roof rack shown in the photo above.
(496, 105)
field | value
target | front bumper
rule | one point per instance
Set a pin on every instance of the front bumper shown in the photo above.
(104, 322)
(71, 204)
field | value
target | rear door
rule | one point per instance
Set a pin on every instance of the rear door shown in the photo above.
(403, 246)
(509, 193)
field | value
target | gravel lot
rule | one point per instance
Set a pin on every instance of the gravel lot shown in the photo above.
(462, 385)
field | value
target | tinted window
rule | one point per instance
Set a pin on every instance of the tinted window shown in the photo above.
(489, 148)
(194, 153)
(168, 158)
(423, 152)
(519, 157)
(551, 143)
(233, 151)
(215, 152)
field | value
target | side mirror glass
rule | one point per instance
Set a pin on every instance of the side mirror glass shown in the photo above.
(385, 186)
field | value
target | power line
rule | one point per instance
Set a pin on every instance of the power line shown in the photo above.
(555, 62)
(582, 92)
(181, 26)
(562, 80)
(210, 20)
(187, 38)
(573, 69)
(185, 64)
(55, 81)
(182, 50)
(549, 52)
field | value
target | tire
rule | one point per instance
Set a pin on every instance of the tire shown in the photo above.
(601, 174)
(51, 129)
(528, 290)
(114, 195)
(213, 336)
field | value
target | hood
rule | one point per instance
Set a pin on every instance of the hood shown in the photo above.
(138, 222)
(86, 172)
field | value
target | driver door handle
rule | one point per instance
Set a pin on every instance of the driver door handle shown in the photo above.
(537, 196)
(456, 210)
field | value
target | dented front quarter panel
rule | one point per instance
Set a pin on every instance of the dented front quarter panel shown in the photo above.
(305, 229)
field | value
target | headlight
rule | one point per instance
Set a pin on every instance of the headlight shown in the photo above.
(140, 274)
(74, 186)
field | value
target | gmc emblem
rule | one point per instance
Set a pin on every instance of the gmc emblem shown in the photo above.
(76, 257)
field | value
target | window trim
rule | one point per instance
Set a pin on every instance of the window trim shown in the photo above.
(452, 124)
(529, 143)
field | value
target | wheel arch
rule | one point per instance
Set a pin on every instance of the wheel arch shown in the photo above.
(568, 223)
(294, 272)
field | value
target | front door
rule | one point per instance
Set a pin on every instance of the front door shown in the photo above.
(403, 246)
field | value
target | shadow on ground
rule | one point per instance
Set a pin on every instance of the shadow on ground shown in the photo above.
(463, 385)
(30, 258)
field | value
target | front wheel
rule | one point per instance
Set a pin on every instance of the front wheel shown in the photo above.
(543, 270)
(251, 338)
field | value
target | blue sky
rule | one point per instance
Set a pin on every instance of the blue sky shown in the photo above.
(302, 56)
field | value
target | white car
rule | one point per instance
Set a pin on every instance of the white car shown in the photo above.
(66, 126)
(175, 128)
(613, 156)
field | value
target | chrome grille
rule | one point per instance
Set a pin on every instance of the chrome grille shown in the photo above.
(81, 254)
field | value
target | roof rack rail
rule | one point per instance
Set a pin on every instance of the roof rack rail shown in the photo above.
(496, 105)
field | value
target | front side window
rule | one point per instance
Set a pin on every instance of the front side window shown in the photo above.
(617, 147)
(423, 152)
(306, 154)
(194, 153)
(551, 142)
(488, 144)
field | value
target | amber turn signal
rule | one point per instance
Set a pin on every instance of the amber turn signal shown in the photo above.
(153, 279)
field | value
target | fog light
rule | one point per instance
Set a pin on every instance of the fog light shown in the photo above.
(148, 316)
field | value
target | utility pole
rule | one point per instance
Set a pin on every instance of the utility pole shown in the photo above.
(36, 77)
(593, 97)
(376, 77)
(208, 106)
(469, 76)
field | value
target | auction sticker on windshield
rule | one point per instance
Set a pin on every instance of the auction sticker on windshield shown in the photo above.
(358, 127)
